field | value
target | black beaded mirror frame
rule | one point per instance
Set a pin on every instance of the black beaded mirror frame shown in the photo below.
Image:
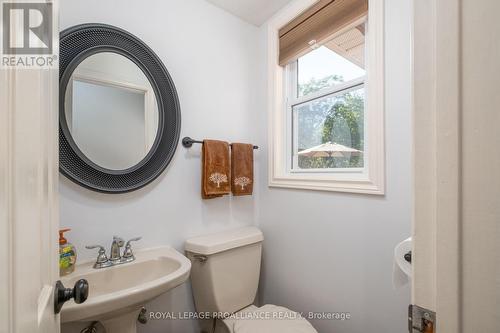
(76, 44)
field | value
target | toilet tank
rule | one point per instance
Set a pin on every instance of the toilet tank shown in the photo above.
(225, 269)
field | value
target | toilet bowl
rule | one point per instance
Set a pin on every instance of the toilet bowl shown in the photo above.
(225, 274)
(267, 319)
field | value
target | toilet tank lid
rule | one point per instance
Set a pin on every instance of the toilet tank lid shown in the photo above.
(222, 241)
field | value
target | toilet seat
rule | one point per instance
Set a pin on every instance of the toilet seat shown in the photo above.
(268, 319)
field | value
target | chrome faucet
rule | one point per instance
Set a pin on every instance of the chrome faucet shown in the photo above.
(115, 257)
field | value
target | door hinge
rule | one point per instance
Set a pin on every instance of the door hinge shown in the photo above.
(421, 320)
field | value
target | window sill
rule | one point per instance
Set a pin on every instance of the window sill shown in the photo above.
(321, 182)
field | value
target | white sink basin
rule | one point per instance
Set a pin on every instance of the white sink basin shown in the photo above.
(116, 294)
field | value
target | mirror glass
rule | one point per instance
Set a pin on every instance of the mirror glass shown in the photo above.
(111, 111)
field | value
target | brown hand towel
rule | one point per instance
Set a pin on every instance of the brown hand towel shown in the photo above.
(242, 169)
(216, 170)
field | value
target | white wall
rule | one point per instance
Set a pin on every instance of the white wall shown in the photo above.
(211, 56)
(332, 252)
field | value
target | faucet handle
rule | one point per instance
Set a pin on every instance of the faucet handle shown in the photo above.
(101, 256)
(135, 239)
(128, 255)
(91, 247)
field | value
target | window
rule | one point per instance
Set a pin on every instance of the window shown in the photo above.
(326, 103)
(327, 98)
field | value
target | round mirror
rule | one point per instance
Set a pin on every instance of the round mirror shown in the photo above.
(111, 111)
(119, 113)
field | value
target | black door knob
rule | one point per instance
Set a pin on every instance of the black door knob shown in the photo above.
(407, 257)
(79, 293)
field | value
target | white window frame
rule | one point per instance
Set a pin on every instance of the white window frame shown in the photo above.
(292, 100)
(371, 178)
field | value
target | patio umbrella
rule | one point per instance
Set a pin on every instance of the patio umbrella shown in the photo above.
(329, 149)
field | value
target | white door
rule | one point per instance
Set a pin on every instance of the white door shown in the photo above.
(456, 165)
(28, 197)
(28, 200)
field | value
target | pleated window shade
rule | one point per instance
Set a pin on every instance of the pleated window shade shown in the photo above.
(316, 25)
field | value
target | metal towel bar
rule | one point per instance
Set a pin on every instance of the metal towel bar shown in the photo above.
(188, 142)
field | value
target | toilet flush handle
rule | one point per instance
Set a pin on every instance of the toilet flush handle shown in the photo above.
(200, 257)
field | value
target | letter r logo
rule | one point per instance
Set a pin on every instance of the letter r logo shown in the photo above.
(27, 28)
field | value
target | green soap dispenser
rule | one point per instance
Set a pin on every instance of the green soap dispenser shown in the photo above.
(67, 255)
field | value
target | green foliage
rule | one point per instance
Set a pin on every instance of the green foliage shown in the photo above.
(337, 119)
(316, 85)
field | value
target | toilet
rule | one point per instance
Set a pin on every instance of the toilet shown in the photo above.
(225, 276)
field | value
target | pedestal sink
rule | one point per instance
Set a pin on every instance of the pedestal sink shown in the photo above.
(117, 294)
